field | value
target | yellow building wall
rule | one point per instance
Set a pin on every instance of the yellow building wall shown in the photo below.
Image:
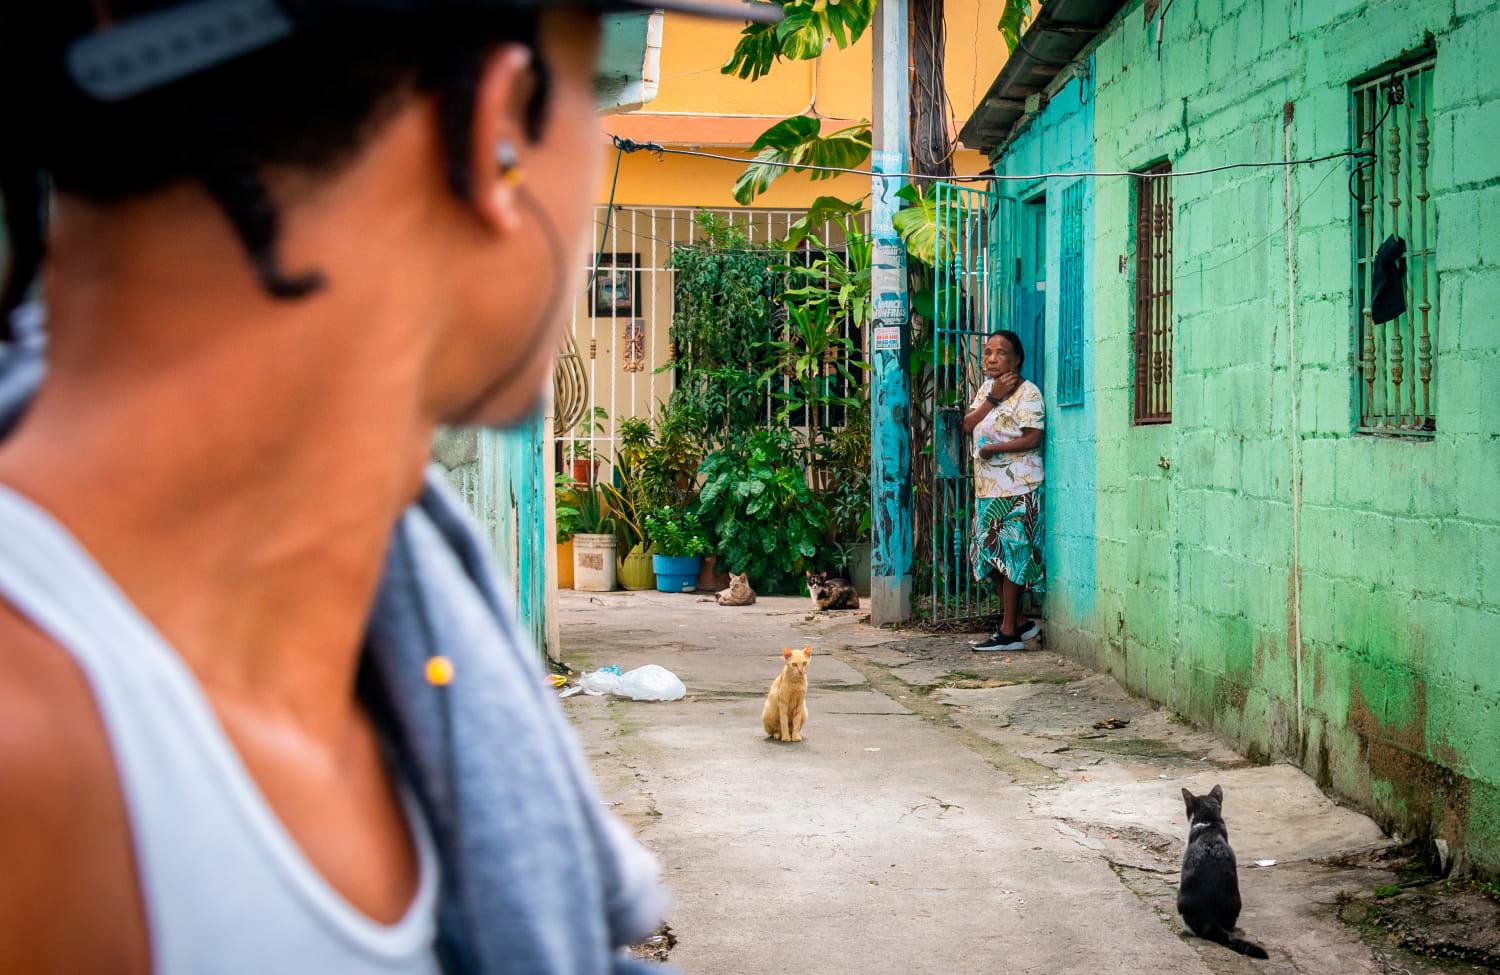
(835, 87)
(656, 197)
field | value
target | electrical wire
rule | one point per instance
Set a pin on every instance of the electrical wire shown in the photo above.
(1395, 94)
(609, 213)
(630, 146)
(1161, 23)
(1282, 228)
(928, 43)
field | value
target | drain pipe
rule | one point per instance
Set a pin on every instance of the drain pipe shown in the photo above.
(1289, 235)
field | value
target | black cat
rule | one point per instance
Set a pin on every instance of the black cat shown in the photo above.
(1209, 897)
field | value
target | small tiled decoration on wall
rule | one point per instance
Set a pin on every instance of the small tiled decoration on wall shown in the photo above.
(633, 348)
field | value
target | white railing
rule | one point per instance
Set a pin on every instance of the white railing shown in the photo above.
(621, 323)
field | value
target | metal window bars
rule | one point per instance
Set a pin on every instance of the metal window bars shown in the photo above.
(1395, 374)
(1153, 295)
(1070, 300)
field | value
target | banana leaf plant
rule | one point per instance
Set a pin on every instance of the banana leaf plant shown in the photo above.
(813, 352)
(805, 30)
(837, 285)
(796, 143)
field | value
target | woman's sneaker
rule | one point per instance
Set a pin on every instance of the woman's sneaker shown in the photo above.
(999, 642)
(1030, 630)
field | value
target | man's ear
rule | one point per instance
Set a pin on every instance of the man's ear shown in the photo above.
(497, 156)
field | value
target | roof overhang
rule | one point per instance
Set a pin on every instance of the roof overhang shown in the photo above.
(629, 65)
(1062, 28)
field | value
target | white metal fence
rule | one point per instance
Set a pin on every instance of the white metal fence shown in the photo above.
(621, 322)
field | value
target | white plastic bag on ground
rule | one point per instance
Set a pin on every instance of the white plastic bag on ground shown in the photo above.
(600, 682)
(650, 683)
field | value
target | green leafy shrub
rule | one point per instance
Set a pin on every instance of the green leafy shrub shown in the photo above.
(568, 515)
(721, 328)
(658, 463)
(848, 465)
(756, 500)
(656, 466)
(594, 516)
(589, 429)
(676, 532)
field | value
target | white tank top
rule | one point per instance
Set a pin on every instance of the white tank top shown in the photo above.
(226, 889)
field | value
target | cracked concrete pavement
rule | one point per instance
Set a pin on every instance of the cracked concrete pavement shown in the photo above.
(948, 812)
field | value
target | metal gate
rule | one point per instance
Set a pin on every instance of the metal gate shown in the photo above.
(972, 298)
(621, 323)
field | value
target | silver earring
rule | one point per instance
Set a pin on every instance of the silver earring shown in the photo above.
(505, 155)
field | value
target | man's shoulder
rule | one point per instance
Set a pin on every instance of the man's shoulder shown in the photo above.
(53, 750)
(43, 696)
(64, 837)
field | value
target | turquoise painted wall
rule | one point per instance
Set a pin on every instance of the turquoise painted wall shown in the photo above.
(1320, 596)
(1061, 139)
(500, 476)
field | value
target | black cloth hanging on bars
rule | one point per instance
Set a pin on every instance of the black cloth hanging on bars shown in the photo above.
(1388, 284)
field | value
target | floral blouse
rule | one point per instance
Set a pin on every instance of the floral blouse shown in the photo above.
(1008, 475)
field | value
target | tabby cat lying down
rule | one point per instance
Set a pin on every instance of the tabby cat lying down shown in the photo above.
(739, 592)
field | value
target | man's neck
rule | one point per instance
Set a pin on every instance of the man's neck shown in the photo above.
(240, 483)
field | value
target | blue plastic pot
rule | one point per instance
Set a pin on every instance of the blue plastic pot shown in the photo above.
(676, 573)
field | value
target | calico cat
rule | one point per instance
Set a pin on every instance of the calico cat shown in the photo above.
(739, 592)
(832, 593)
(786, 704)
(1209, 896)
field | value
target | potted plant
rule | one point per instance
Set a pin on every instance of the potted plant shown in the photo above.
(634, 568)
(655, 466)
(712, 578)
(567, 516)
(583, 458)
(677, 546)
(594, 561)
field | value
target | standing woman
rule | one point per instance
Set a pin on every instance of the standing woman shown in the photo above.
(1006, 421)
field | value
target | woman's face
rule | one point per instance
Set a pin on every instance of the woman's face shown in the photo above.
(999, 357)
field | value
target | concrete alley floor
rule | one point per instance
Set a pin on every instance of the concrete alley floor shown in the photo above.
(948, 812)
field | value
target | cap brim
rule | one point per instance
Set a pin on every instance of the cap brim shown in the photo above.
(143, 53)
(741, 10)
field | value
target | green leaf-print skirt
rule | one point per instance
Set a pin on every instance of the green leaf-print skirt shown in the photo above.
(1007, 540)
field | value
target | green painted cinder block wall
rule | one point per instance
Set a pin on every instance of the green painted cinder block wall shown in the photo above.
(1322, 597)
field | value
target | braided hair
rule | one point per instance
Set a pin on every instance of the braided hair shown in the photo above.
(310, 102)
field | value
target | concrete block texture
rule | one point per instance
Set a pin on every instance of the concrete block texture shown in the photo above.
(1199, 527)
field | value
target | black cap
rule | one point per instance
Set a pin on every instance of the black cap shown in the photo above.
(145, 52)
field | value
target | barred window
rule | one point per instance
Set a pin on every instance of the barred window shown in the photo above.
(1395, 243)
(1153, 295)
(1070, 338)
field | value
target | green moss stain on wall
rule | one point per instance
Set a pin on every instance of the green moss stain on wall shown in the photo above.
(1321, 596)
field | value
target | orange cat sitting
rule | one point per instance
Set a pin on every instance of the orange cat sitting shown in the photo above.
(786, 705)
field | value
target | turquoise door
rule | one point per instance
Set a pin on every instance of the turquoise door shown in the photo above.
(1031, 287)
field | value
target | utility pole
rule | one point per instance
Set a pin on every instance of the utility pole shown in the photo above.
(890, 336)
